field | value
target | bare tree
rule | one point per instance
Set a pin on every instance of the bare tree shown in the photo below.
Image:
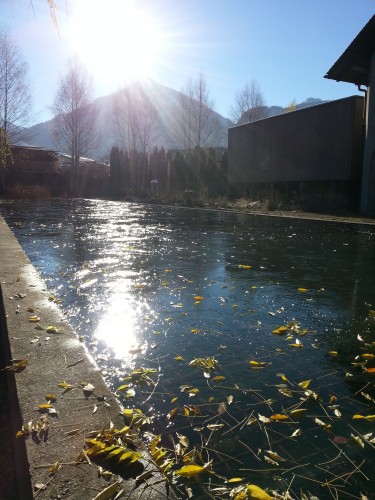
(134, 117)
(291, 107)
(197, 120)
(75, 116)
(15, 97)
(249, 104)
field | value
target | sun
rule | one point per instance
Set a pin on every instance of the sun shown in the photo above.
(117, 40)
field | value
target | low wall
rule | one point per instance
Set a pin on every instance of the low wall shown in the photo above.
(51, 359)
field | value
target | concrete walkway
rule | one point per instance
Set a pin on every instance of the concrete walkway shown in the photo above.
(51, 359)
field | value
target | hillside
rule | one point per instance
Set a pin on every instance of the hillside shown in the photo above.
(164, 101)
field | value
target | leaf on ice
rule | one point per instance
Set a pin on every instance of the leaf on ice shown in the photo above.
(358, 440)
(275, 456)
(300, 412)
(304, 384)
(296, 433)
(369, 418)
(172, 413)
(214, 427)
(257, 492)
(279, 416)
(264, 419)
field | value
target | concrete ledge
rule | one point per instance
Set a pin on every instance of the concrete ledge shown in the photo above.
(53, 358)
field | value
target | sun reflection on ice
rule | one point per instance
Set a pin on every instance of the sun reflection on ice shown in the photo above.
(120, 326)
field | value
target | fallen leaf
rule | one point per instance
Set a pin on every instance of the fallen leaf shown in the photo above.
(256, 492)
(172, 413)
(108, 492)
(304, 384)
(358, 440)
(279, 416)
(190, 470)
(300, 412)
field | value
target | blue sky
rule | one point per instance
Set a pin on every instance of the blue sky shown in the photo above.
(287, 46)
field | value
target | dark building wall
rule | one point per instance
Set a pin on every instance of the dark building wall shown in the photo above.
(320, 143)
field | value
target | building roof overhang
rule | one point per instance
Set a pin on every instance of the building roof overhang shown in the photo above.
(353, 66)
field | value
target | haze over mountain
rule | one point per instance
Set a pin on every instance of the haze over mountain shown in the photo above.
(165, 103)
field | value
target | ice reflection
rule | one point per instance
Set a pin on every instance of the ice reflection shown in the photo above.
(150, 262)
(119, 327)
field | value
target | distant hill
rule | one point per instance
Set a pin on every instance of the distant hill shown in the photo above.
(164, 101)
(278, 110)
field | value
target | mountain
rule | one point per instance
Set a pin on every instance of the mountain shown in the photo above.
(165, 122)
(165, 104)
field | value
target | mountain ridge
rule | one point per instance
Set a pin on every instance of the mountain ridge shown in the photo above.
(165, 102)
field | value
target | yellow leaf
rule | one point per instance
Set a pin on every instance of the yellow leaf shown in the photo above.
(368, 355)
(235, 480)
(302, 290)
(296, 345)
(304, 384)
(279, 416)
(51, 397)
(54, 469)
(51, 329)
(190, 470)
(372, 312)
(198, 298)
(256, 492)
(122, 387)
(17, 365)
(34, 319)
(173, 400)
(65, 385)
(244, 266)
(333, 353)
(179, 358)
(108, 492)
(45, 406)
(369, 418)
(194, 330)
(300, 412)
(218, 377)
(280, 330)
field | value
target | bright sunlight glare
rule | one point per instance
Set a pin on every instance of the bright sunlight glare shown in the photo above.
(117, 40)
(118, 328)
